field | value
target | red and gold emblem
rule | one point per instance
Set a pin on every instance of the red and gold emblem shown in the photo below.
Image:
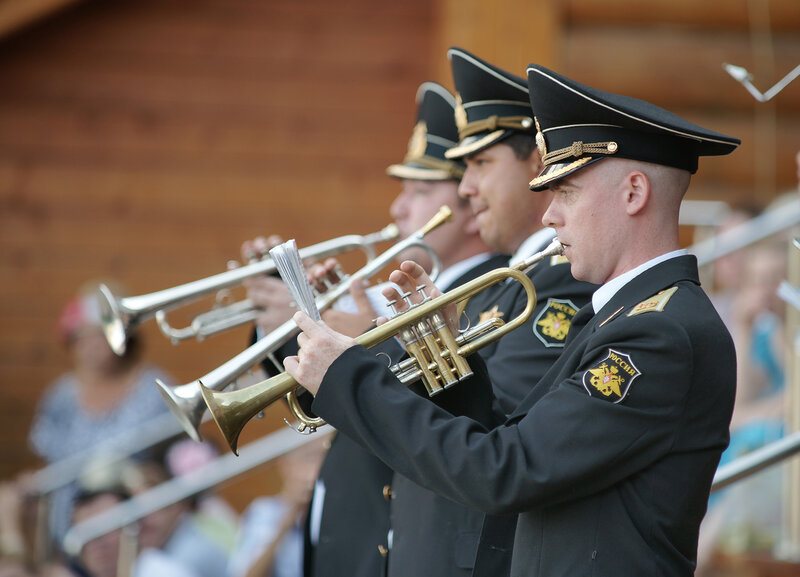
(552, 324)
(611, 378)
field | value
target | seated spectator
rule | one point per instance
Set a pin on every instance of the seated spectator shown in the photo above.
(102, 396)
(270, 539)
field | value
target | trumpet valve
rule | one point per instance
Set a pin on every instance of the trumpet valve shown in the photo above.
(413, 345)
(434, 349)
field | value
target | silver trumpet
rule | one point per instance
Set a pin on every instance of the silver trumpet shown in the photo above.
(186, 401)
(120, 314)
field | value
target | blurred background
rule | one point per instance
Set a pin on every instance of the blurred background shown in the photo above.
(141, 141)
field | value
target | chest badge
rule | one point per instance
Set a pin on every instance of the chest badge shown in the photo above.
(492, 313)
(552, 324)
(611, 378)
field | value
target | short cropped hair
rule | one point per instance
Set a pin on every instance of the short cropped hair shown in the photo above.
(522, 145)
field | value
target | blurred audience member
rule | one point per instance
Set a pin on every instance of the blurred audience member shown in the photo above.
(102, 396)
(196, 534)
(759, 337)
(179, 540)
(728, 269)
(14, 553)
(746, 518)
(270, 540)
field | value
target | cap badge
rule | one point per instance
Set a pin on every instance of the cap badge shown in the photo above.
(419, 141)
(552, 324)
(540, 143)
(611, 378)
(460, 114)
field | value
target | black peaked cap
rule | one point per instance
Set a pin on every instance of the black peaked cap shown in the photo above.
(491, 104)
(434, 133)
(578, 125)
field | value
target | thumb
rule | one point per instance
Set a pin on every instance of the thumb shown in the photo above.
(358, 290)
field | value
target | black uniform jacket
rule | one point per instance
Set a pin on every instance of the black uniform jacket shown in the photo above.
(608, 460)
(432, 535)
(355, 516)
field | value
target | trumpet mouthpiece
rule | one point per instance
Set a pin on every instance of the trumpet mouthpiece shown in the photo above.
(555, 248)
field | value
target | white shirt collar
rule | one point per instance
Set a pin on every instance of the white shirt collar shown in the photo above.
(451, 273)
(606, 292)
(533, 244)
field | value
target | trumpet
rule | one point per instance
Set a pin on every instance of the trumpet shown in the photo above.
(436, 355)
(119, 314)
(185, 401)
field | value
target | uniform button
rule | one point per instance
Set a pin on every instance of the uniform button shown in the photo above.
(383, 551)
(387, 492)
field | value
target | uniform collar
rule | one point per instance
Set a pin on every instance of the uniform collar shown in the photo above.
(606, 292)
(451, 273)
(533, 244)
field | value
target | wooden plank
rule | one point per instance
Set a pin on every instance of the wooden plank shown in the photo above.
(16, 14)
(784, 15)
(484, 28)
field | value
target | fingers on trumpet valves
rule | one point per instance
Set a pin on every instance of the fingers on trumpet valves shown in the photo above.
(325, 276)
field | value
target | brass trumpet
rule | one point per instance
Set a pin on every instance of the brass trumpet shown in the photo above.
(185, 401)
(436, 355)
(120, 314)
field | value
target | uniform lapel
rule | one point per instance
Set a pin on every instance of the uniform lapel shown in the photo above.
(653, 280)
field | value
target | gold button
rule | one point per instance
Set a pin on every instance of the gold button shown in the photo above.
(383, 551)
(387, 492)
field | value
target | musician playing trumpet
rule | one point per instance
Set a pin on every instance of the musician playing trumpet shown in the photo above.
(609, 459)
(348, 529)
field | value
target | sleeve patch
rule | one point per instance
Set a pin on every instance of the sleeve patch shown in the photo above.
(610, 379)
(655, 303)
(552, 324)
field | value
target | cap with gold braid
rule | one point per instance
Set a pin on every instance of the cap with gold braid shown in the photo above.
(491, 104)
(433, 134)
(577, 125)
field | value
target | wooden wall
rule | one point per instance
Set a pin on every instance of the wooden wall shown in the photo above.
(669, 52)
(143, 140)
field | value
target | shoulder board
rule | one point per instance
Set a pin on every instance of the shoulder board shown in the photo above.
(655, 303)
(558, 259)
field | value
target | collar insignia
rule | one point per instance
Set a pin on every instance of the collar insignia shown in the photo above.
(419, 141)
(460, 114)
(611, 316)
(611, 378)
(492, 313)
(655, 303)
(553, 322)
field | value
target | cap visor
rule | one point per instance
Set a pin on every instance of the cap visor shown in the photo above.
(555, 172)
(473, 144)
(419, 173)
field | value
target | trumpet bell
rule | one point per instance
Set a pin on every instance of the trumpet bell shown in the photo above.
(111, 317)
(233, 409)
(185, 404)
